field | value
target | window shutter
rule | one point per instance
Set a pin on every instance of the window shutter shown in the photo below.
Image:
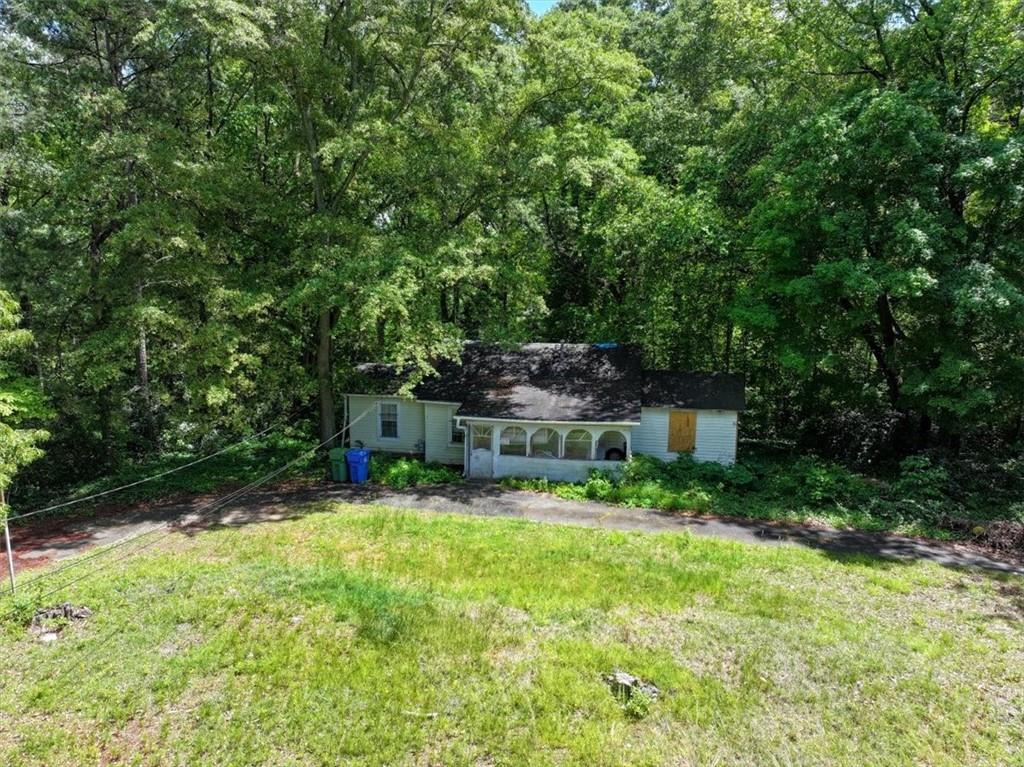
(682, 431)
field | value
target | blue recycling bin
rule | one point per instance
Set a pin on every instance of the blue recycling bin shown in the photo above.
(358, 460)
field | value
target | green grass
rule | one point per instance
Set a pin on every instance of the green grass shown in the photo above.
(372, 636)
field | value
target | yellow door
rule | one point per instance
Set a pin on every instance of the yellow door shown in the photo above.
(682, 431)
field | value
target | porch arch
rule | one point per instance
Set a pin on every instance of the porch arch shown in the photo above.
(579, 444)
(544, 443)
(513, 441)
(612, 445)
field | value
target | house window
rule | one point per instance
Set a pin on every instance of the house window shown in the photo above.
(577, 444)
(389, 420)
(513, 441)
(482, 437)
(457, 435)
(544, 443)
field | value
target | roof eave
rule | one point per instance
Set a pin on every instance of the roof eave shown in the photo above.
(468, 417)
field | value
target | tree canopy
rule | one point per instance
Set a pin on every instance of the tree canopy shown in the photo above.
(210, 211)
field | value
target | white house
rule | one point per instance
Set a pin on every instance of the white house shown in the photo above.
(547, 410)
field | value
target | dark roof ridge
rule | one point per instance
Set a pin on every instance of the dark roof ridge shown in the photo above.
(563, 381)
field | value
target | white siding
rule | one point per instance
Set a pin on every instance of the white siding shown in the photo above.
(424, 428)
(650, 436)
(716, 435)
(437, 426)
(367, 430)
(558, 469)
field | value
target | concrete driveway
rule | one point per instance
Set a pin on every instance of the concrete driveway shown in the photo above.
(59, 539)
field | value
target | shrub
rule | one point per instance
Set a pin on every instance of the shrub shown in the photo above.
(813, 482)
(404, 472)
(599, 486)
(922, 498)
(919, 478)
(684, 470)
(919, 493)
(1015, 512)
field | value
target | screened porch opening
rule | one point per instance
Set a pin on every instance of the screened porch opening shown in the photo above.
(612, 446)
(544, 443)
(577, 444)
(512, 441)
(481, 437)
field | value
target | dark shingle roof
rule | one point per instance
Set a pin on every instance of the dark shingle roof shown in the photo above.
(697, 391)
(560, 382)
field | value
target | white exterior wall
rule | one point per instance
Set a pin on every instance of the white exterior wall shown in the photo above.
(650, 436)
(424, 427)
(437, 434)
(367, 430)
(716, 435)
(564, 469)
(558, 469)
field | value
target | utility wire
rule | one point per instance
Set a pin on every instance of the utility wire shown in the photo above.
(231, 496)
(212, 506)
(215, 504)
(78, 561)
(73, 501)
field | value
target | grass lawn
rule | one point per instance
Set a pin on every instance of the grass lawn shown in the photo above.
(357, 635)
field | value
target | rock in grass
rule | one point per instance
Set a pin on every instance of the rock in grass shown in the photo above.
(624, 686)
(65, 611)
(48, 622)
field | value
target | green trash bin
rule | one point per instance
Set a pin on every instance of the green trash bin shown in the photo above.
(339, 471)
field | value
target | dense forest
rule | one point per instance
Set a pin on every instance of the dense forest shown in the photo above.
(211, 210)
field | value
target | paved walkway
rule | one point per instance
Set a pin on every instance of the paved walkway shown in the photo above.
(59, 539)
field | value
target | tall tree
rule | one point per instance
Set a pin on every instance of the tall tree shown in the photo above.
(362, 83)
(874, 225)
(22, 406)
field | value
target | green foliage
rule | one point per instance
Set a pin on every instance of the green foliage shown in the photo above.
(685, 470)
(233, 468)
(637, 706)
(920, 499)
(209, 212)
(17, 610)
(1015, 512)
(22, 405)
(402, 472)
(920, 478)
(818, 484)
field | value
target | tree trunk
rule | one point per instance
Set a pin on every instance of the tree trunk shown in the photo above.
(727, 353)
(324, 379)
(209, 90)
(924, 431)
(147, 416)
(892, 378)
(325, 324)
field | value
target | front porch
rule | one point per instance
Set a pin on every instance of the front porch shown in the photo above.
(559, 451)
